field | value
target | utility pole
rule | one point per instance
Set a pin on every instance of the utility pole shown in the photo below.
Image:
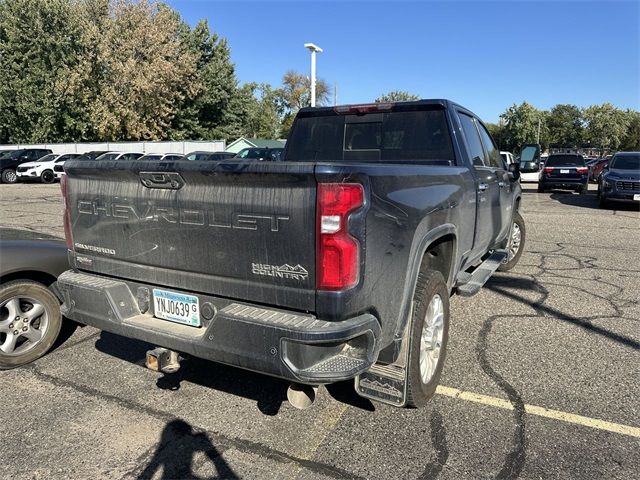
(538, 139)
(313, 49)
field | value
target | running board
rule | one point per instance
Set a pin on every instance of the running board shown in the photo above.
(470, 284)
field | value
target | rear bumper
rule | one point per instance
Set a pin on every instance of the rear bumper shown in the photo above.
(290, 345)
(570, 183)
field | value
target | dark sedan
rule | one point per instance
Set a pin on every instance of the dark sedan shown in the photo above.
(621, 179)
(564, 171)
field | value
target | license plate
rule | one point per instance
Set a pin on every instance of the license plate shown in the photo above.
(636, 197)
(564, 171)
(176, 307)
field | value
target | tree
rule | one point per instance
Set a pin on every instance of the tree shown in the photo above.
(145, 72)
(397, 96)
(565, 125)
(265, 113)
(521, 124)
(295, 94)
(40, 43)
(606, 126)
(631, 141)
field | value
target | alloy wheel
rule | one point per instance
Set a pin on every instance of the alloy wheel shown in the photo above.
(431, 339)
(23, 324)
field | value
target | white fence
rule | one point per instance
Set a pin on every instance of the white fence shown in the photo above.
(143, 147)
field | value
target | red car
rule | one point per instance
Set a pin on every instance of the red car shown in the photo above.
(596, 170)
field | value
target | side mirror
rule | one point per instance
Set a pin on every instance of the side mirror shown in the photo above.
(514, 171)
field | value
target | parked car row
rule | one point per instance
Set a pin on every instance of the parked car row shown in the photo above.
(47, 167)
(617, 176)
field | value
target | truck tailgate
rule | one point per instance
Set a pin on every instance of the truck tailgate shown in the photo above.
(240, 230)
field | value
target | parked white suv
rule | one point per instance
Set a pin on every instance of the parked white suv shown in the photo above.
(43, 168)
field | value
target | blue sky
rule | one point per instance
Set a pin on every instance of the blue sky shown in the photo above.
(484, 55)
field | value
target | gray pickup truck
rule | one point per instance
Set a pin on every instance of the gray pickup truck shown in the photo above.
(335, 263)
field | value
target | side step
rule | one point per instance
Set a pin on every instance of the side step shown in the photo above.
(470, 284)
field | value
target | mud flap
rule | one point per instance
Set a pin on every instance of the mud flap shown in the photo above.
(388, 383)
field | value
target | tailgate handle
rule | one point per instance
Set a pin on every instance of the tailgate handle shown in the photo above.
(167, 180)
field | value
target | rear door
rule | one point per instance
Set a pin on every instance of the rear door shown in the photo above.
(235, 229)
(494, 161)
(488, 211)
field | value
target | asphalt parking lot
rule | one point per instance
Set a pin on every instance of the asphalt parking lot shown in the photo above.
(542, 380)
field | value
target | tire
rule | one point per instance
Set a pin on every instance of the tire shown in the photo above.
(21, 293)
(48, 176)
(431, 289)
(9, 176)
(583, 190)
(514, 256)
(541, 189)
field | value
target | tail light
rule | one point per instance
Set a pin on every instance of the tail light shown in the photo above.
(547, 169)
(338, 253)
(582, 169)
(68, 235)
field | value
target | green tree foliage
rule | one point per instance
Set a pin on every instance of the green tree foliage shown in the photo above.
(565, 125)
(521, 123)
(606, 126)
(265, 112)
(631, 141)
(397, 96)
(40, 43)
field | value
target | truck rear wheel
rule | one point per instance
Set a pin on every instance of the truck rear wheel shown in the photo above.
(515, 247)
(429, 337)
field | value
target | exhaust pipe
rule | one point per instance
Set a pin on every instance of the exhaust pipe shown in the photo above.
(301, 396)
(162, 360)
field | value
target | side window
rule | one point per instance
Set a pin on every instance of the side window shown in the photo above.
(493, 154)
(473, 139)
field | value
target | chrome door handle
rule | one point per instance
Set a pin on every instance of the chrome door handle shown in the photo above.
(482, 187)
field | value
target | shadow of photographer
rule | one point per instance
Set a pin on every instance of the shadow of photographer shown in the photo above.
(176, 454)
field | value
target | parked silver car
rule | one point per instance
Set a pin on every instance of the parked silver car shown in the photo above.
(30, 318)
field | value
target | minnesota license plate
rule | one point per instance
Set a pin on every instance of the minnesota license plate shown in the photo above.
(176, 307)
(636, 197)
(564, 171)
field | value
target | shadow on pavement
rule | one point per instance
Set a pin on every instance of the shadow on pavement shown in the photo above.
(590, 200)
(500, 287)
(176, 451)
(268, 392)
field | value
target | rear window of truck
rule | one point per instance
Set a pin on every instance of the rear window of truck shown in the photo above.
(419, 135)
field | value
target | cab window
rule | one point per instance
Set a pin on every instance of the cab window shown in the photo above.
(492, 157)
(476, 152)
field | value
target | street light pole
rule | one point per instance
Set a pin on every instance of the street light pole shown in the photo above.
(313, 49)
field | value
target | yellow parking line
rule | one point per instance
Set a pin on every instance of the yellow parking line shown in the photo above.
(541, 412)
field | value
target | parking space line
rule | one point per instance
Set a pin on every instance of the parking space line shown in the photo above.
(541, 412)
